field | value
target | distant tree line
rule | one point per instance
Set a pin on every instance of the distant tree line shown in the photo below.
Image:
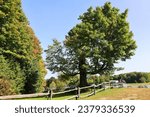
(62, 81)
(134, 77)
(22, 68)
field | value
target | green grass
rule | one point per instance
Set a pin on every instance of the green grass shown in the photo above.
(122, 94)
(105, 93)
(116, 93)
(45, 98)
(110, 94)
(57, 97)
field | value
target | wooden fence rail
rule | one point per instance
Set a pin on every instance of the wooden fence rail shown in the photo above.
(78, 91)
(23, 96)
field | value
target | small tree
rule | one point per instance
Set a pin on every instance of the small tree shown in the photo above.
(60, 86)
(93, 46)
(52, 85)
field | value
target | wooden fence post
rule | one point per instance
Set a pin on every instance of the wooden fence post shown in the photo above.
(104, 85)
(50, 94)
(78, 92)
(94, 87)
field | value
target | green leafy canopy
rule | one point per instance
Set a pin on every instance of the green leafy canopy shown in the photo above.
(93, 46)
(20, 52)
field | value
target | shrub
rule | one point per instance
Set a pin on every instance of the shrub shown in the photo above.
(94, 79)
(5, 87)
(52, 85)
(142, 79)
(69, 80)
(60, 85)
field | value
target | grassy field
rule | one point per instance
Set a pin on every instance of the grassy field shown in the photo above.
(111, 94)
(122, 94)
(133, 93)
(60, 97)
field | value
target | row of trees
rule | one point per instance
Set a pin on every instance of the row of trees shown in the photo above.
(133, 77)
(101, 39)
(22, 69)
(62, 81)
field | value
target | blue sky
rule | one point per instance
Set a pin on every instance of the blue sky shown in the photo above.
(54, 18)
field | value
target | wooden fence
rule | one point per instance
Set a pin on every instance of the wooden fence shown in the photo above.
(94, 89)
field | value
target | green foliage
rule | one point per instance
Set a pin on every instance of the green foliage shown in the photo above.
(5, 71)
(11, 71)
(69, 80)
(134, 77)
(18, 77)
(5, 87)
(62, 82)
(94, 79)
(36, 69)
(142, 79)
(60, 86)
(93, 46)
(52, 85)
(20, 51)
(56, 83)
(49, 81)
(13, 29)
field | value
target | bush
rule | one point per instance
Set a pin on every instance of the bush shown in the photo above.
(11, 71)
(52, 85)
(5, 87)
(94, 79)
(60, 85)
(69, 80)
(142, 79)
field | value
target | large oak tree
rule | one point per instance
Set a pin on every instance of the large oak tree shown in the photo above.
(93, 46)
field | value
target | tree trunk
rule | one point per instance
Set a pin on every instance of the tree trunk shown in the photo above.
(83, 72)
(83, 79)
